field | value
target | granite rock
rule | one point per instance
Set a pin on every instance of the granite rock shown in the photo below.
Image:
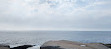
(63, 44)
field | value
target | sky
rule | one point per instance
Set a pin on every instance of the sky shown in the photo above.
(74, 15)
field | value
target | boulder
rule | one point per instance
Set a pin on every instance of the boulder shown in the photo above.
(2, 46)
(63, 44)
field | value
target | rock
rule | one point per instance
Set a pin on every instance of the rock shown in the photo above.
(108, 45)
(51, 47)
(23, 47)
(63, 44)
(2, 46)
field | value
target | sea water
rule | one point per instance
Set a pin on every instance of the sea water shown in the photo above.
(16, 38)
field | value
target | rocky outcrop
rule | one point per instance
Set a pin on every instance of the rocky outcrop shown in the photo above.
(2, 46)
(23, 47)
(63, 44)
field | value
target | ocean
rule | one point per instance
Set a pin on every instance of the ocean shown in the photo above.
(39, 37)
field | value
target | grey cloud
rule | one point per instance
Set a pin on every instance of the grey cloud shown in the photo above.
(63, 16)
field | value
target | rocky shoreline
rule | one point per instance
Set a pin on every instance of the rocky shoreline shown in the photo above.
(63, 44)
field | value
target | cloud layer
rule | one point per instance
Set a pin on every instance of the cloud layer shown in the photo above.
(55, 14)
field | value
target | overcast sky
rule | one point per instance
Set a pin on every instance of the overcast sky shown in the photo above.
(55, 15)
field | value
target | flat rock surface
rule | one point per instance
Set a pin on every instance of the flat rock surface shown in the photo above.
(63, 44)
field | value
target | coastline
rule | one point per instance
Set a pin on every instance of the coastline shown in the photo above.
(61, 44)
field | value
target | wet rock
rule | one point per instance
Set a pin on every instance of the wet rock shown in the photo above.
(23, 47)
